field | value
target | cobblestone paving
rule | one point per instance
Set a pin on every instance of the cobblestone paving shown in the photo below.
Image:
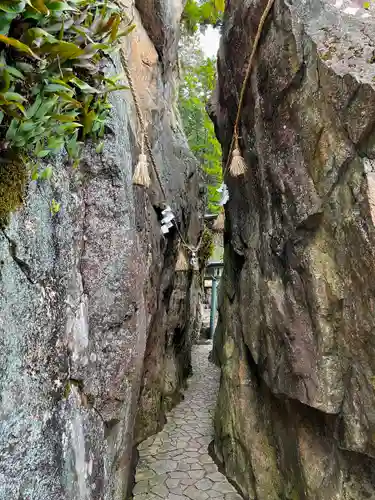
(175, 464)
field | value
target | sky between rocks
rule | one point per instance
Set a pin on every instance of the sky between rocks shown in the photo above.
(210, 41)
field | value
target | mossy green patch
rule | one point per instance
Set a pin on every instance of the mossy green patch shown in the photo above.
(206, 248)
(67, 390)
(13, 178)
(294, 495)
(328, 54)
(291, 492)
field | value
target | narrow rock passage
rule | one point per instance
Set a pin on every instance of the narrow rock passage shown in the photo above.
(175, 464)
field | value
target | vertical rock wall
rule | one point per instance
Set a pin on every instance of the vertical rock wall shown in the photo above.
(86, 293)
(296, 336)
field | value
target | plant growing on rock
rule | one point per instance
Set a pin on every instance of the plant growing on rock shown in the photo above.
(53, 90)
(206, 249)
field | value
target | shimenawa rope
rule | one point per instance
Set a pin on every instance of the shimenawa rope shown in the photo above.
(181, 261)
(234, 155)
(189, 247)
(144, 137)
(140, 119)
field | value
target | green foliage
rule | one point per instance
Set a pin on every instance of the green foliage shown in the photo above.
(55, 207)
(198, 82)
(53, 92)
(206, 249)
(202, 13)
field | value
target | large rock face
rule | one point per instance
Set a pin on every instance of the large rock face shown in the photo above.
(84, 294)
(296, 336)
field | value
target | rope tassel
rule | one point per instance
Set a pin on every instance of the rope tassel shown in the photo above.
(219, 223)
(237, 165)
(141, 176)
(182, 263)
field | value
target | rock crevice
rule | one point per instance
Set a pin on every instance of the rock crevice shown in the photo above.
(82, 293)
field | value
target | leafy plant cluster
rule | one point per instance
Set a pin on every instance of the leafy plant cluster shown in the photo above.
(206, 249)
(198, 14)
(53, 91)
(197, 84)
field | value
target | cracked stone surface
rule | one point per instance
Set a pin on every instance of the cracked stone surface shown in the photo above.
(89, 297)
(309, 143)
(175, 464)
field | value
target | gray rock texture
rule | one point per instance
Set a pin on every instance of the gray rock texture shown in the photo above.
(87, 293)
(296, 335)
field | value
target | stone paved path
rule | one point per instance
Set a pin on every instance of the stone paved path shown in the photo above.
(175, 464)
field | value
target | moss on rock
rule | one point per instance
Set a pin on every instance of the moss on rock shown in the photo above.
(206, 248)
(13, 177)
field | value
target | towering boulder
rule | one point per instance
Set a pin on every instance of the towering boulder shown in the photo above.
(296, 336)
(84, 294)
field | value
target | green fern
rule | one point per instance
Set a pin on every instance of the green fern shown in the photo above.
(53, 91)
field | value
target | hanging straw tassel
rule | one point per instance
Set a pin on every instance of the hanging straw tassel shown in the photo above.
(182, 262)
(237, 166)
(141, 176)
(218, 225)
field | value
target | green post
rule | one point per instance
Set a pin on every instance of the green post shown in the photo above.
(213, 306)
